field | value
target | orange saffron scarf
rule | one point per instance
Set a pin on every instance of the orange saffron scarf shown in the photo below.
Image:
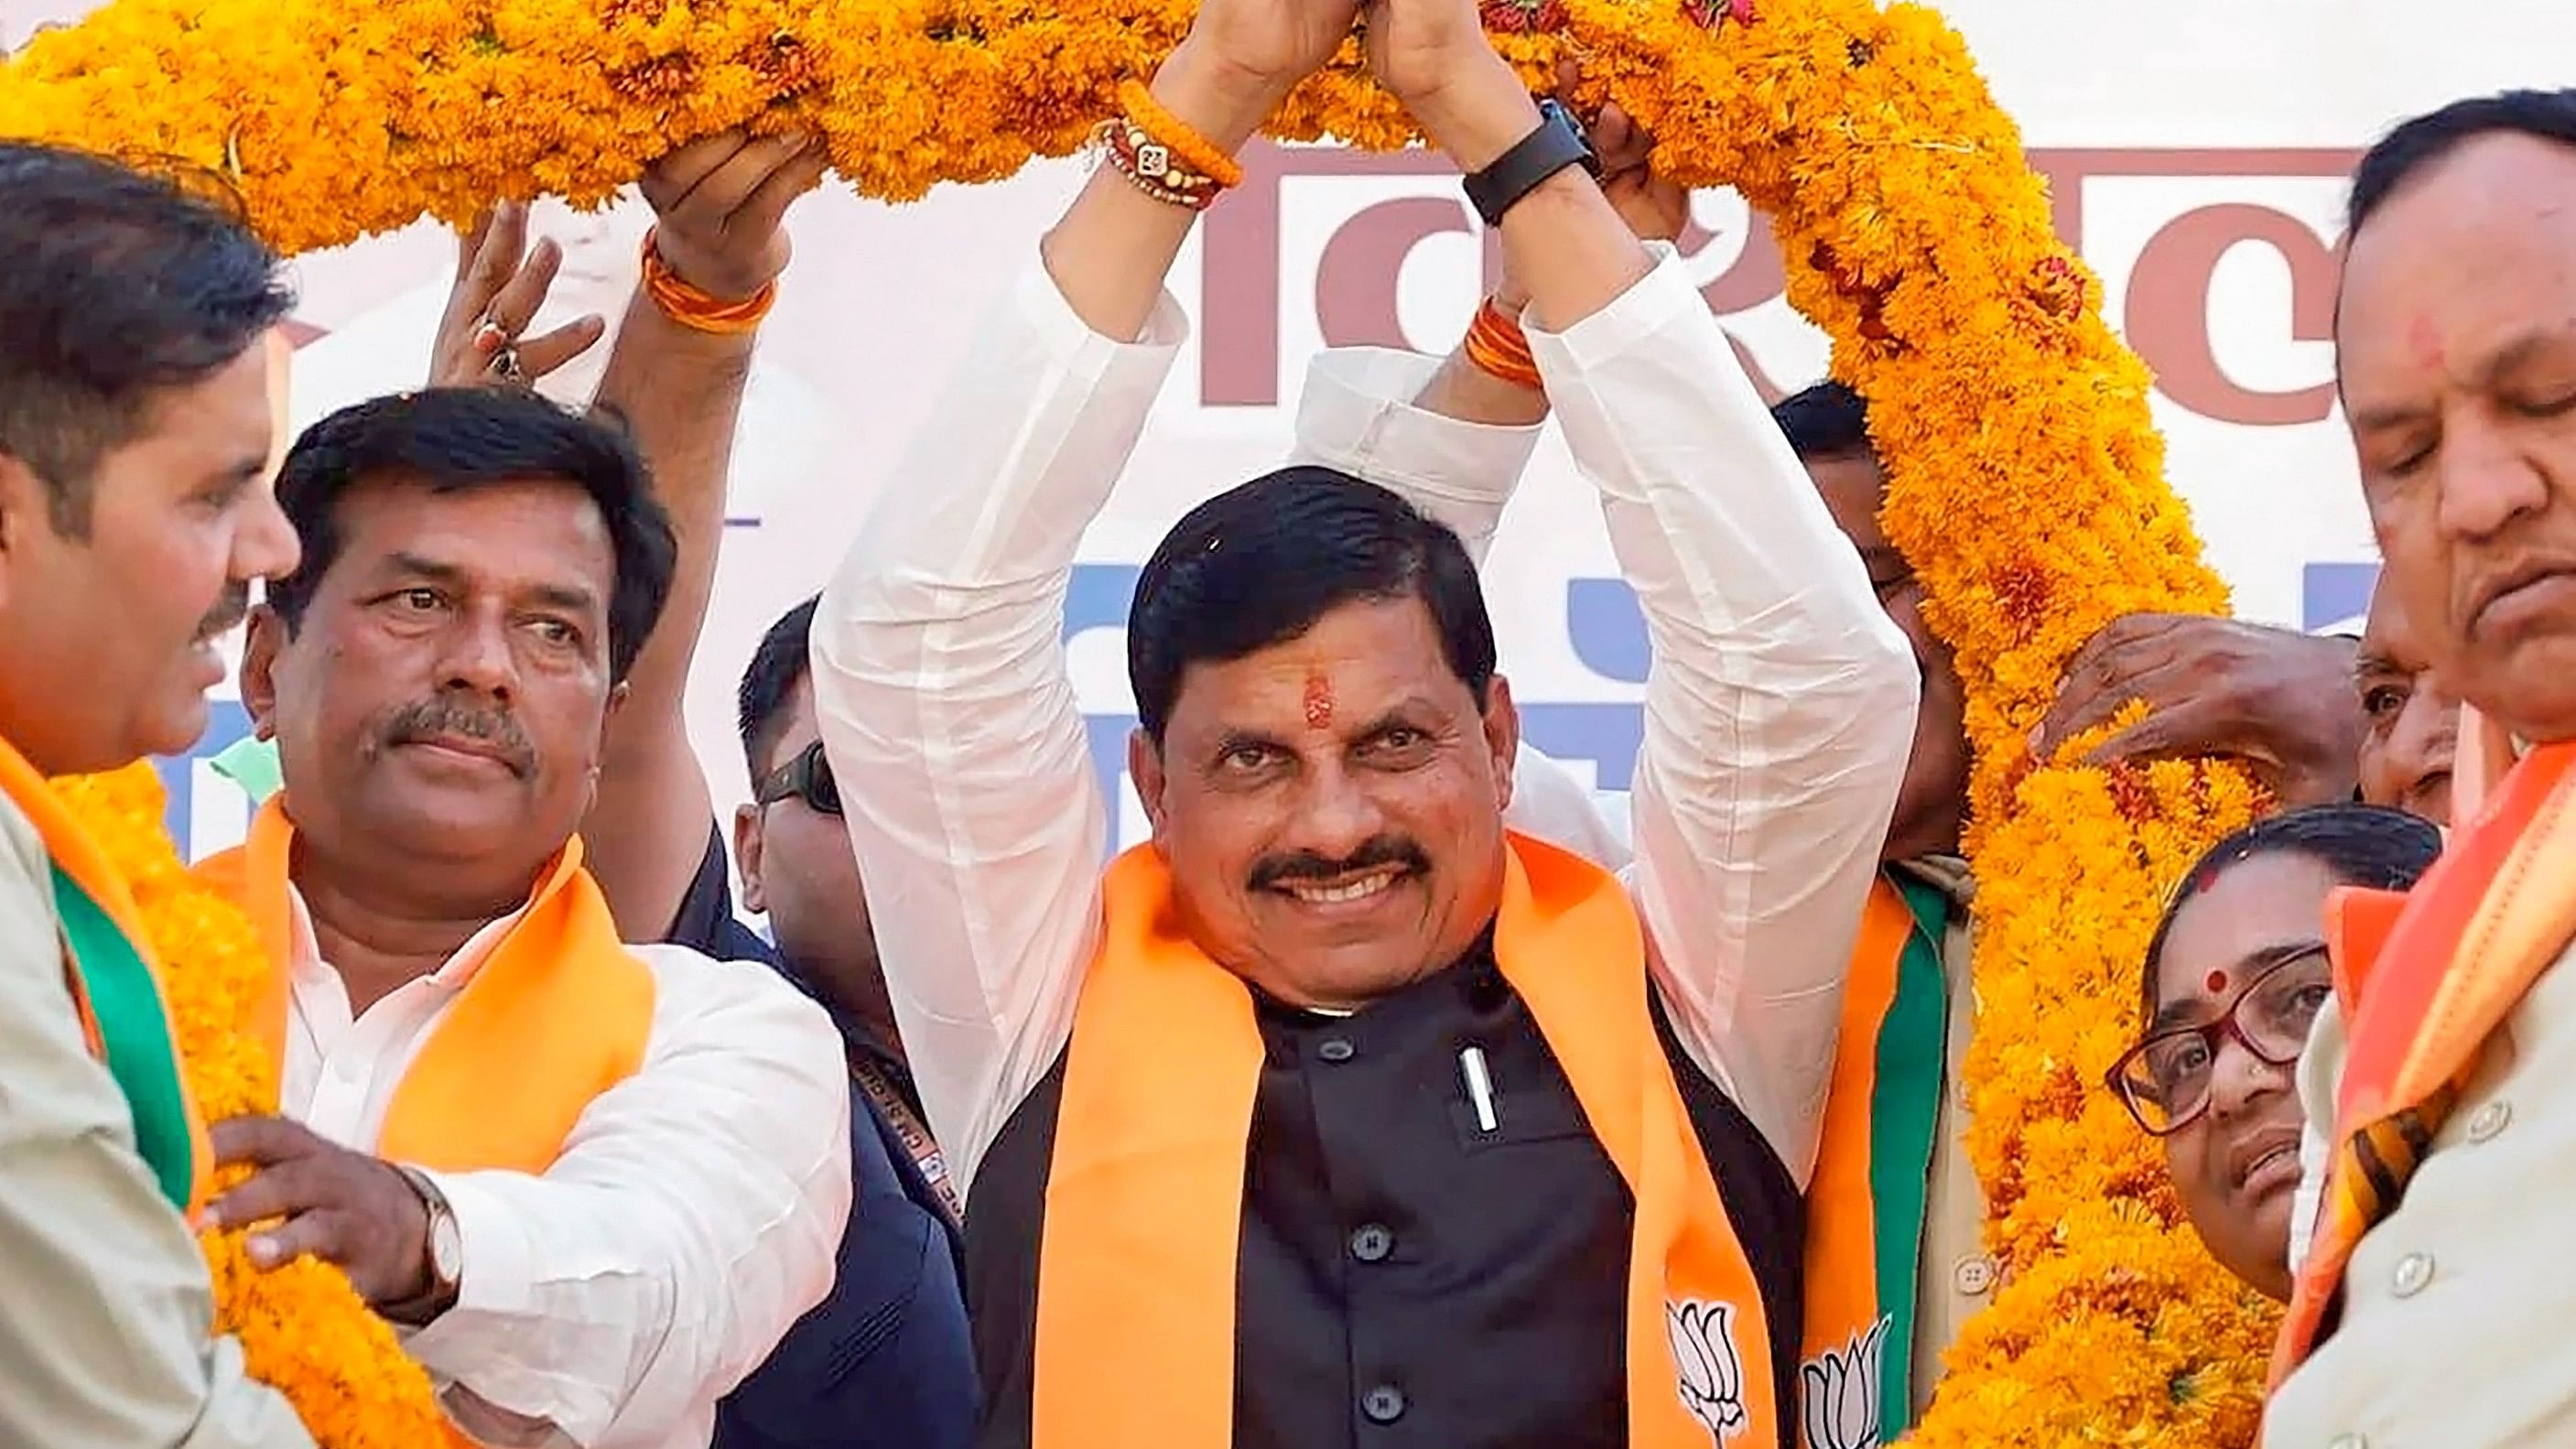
(558, 1012)
(2426, 978)
(150, 1051)
(1865, 1201)
(1144, 1203)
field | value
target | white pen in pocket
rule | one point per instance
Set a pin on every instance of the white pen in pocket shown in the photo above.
(1480, 1087)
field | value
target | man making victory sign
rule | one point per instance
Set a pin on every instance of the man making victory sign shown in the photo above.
(1345, 1112)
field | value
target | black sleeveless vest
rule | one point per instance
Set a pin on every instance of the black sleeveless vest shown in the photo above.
(1407, 1280)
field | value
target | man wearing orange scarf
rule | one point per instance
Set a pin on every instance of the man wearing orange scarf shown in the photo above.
(1344, 1113)
(138, 370)
(2430, 1307)
(596, 1183)
(1894, 1265)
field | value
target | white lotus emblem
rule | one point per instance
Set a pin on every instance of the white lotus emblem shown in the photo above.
(1838, 1393)
(1710, 1371)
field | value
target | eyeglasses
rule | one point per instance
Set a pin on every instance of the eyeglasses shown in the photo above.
(2165, 1080)
(808, 777)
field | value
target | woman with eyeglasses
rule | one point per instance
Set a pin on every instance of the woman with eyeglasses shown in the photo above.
(2235, 976)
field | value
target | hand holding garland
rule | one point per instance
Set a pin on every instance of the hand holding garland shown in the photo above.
(353, 1211)
(676, 377)
(1111, 252)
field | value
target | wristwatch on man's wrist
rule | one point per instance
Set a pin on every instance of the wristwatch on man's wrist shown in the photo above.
(1557, 143)
(445, 1249)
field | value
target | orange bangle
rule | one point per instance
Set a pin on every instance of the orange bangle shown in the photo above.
(1498, 347)
(1177, 136)
(696, 309)
(1151, 168)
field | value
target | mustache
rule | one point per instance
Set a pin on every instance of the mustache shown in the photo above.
(433, 719)
(1274, 871)
(229, 610)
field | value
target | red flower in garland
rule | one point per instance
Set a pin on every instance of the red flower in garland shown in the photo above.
(1710, 14)
(1871, 300)
(1522, 17)
(2023, 596)
(2058, 288)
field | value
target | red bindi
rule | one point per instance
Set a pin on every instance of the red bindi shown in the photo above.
(2216, 981)
(1319, 702)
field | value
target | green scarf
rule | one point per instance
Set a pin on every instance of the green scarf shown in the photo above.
(1904, 1109)
(126, 1004)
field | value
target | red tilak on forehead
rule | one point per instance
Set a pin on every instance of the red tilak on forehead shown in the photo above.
(1319, 702)
(2425, 341)
(2216, 982)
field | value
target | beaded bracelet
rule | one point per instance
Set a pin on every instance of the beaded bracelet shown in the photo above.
(1152, 168)
(695, 308)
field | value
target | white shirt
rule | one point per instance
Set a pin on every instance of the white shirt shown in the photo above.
(1778, 713)
(2456, 1306)
(694, 1215)
(2319, 1071)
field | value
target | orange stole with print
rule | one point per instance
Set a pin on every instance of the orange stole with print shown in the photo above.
(1144, 1199)
(1842, 1297)
(559, 1012)
(2425, 986)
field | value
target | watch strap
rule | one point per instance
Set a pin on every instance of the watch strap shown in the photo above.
(440, 1293)
(1556, 143)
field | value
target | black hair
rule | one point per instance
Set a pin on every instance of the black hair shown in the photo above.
(1828, 420)
(2370, 846)
(114, 286)
(1259, 564)
(776, 666)
(2413, 145)
(454, 440)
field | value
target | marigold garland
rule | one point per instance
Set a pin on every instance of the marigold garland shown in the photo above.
(303, 1329)
(2025, 470)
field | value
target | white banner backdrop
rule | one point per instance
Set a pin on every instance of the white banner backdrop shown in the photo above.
(2197, 153)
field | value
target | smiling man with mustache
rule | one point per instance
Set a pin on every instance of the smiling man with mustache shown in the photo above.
(2428, 1309)
(1348, 1111)
(600, 1181)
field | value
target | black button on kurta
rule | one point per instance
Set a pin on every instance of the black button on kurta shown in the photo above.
(1406, 1277)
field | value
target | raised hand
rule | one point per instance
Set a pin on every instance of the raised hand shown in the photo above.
(719, 204)
(1422, 49)
(1562, 240)
(501, 282)
(1111, 252)
(1654, 208)
(1242, 57)
(1272, 43)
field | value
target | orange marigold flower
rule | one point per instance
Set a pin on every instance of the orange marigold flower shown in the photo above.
(2025, 487)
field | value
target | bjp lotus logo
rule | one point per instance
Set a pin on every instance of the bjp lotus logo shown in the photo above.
(1711, 1372)
(1838, 1393)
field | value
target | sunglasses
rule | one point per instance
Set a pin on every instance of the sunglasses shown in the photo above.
(808, 777)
